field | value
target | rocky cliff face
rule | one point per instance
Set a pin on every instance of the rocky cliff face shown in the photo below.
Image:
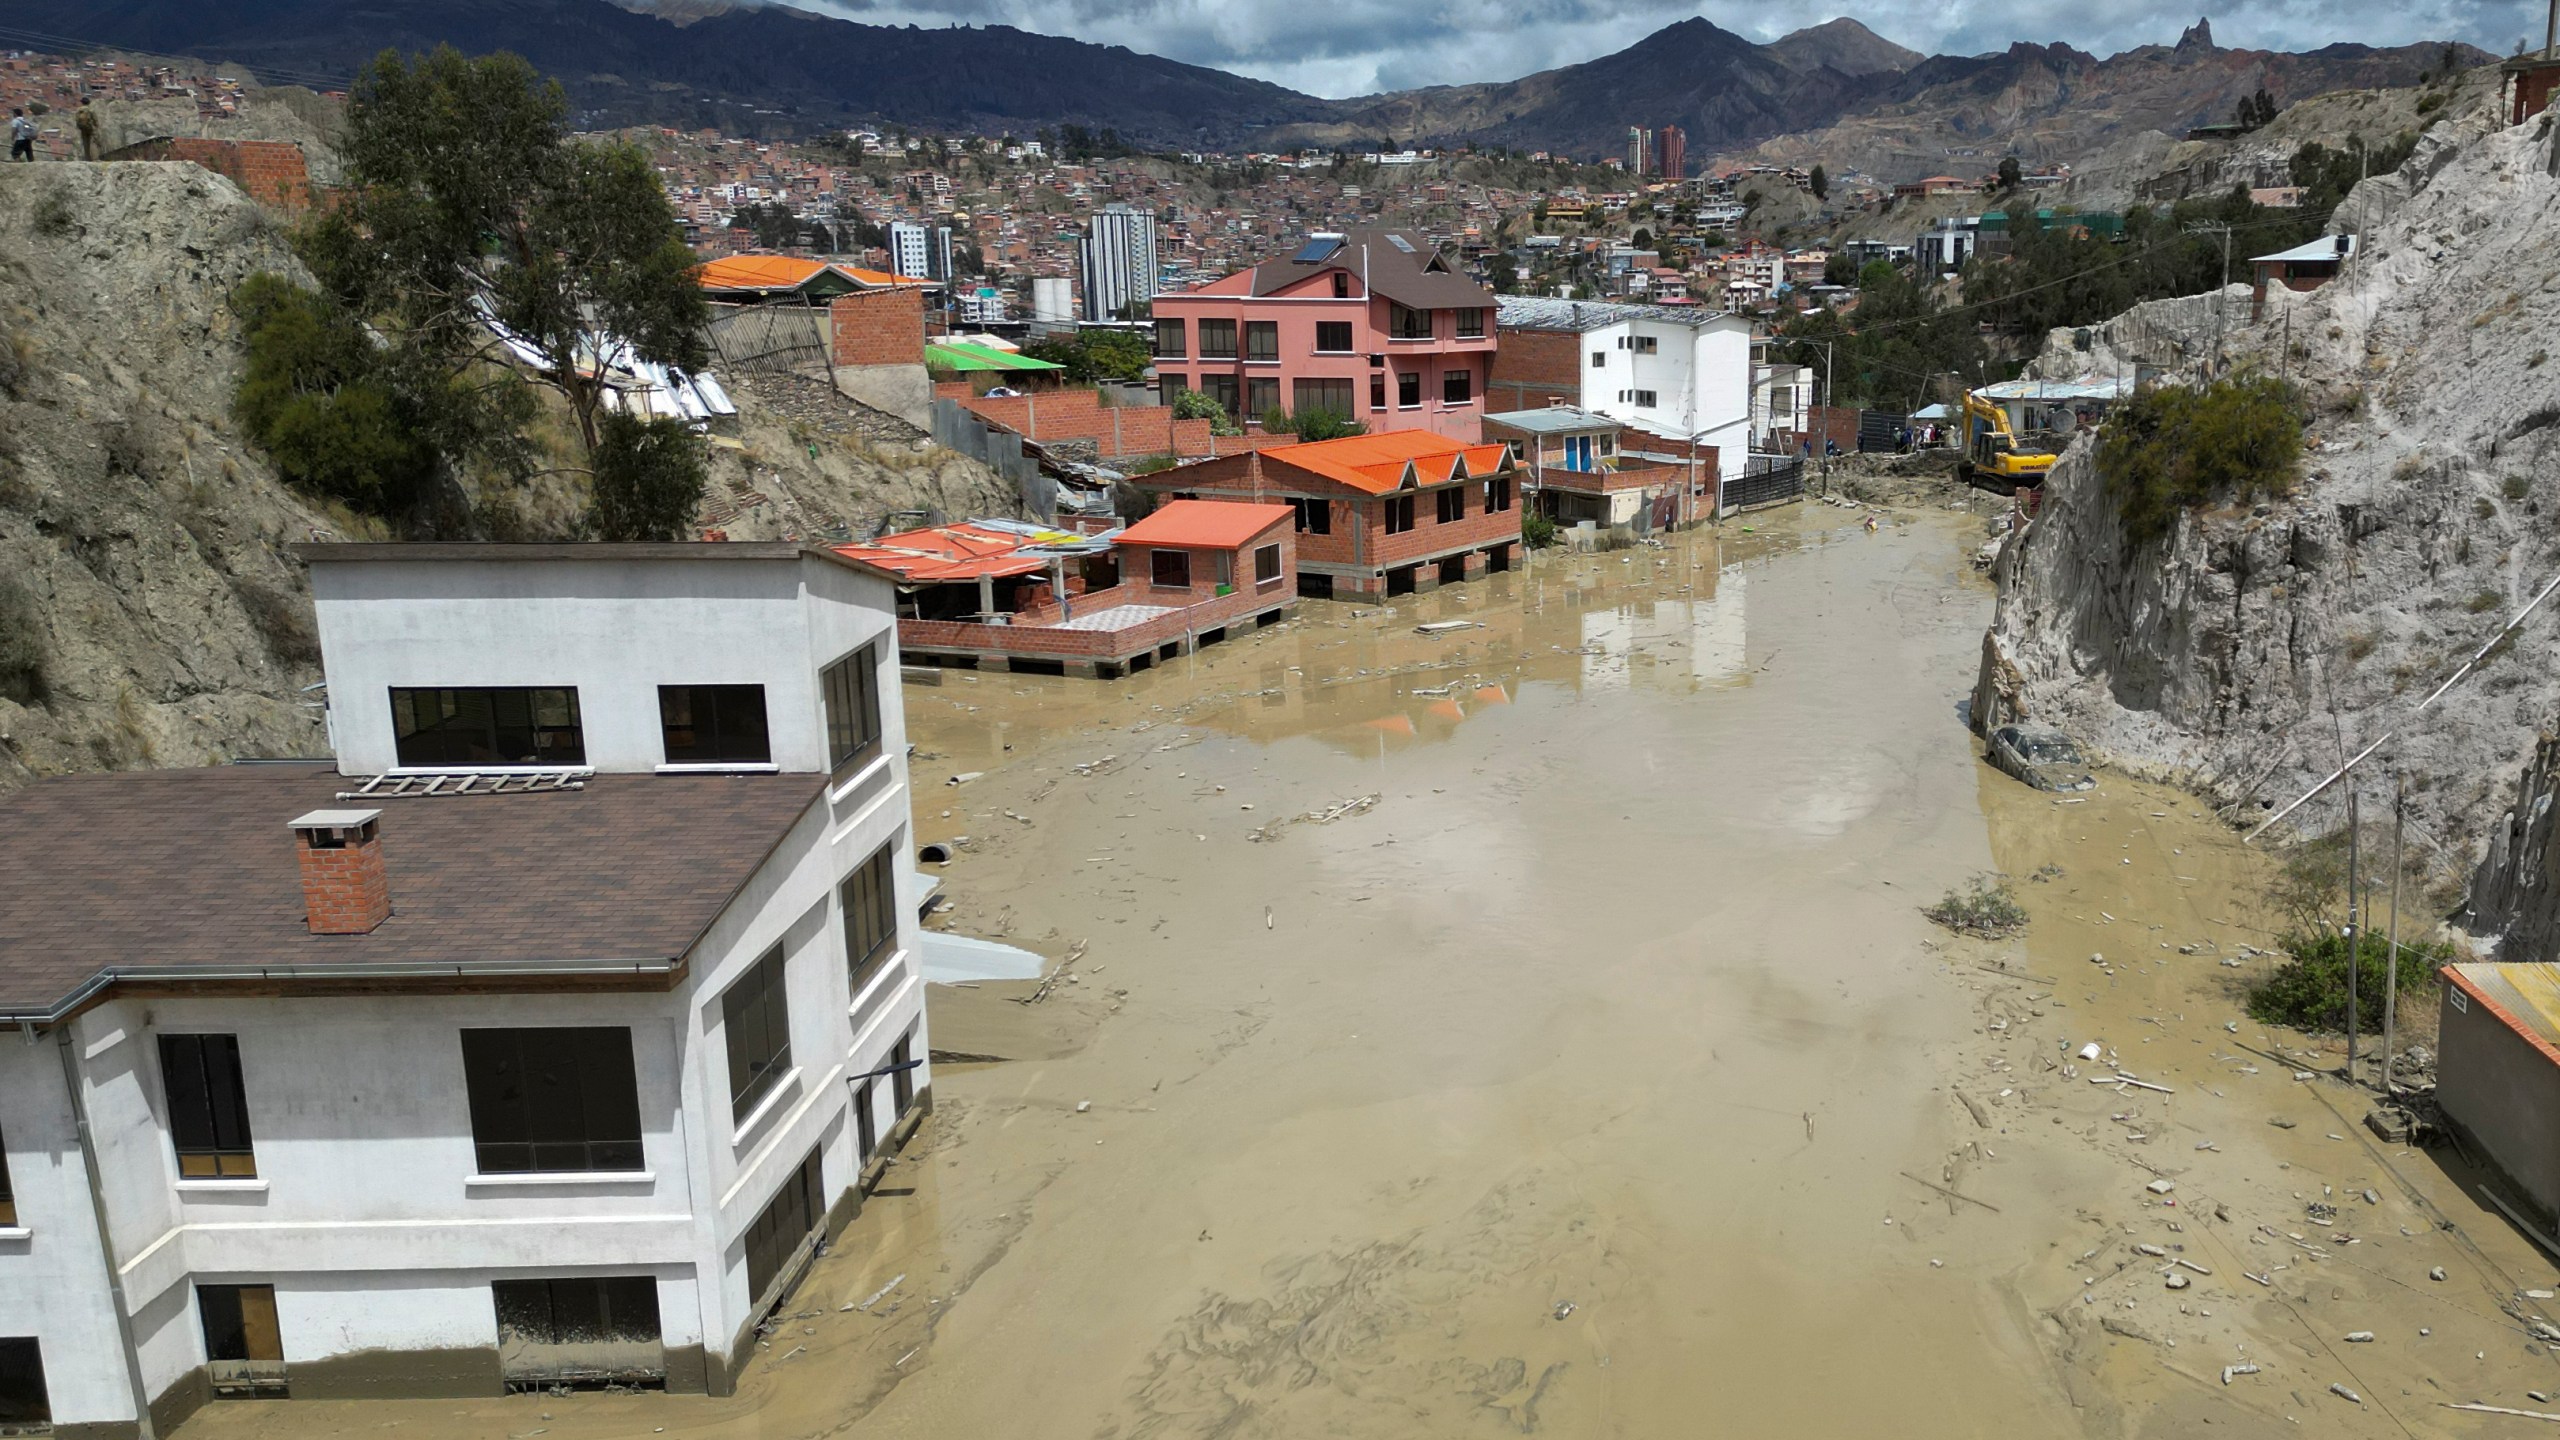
(2255, 647)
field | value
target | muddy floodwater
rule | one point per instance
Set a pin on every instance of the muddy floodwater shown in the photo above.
(1531, 1028)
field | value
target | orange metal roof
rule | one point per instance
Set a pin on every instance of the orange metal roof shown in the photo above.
(1203, 524)
(948, 553)
(784, 272)
(1378, 464)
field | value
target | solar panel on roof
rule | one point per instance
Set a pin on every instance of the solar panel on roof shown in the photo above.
(1400, 242)
(1318, 250)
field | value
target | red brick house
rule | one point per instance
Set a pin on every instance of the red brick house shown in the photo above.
(998, 596)
(1388, 514)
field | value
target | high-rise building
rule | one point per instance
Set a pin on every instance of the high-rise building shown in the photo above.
(923, 251)
(1639, 150)
(1671, 153)
(1117, 258)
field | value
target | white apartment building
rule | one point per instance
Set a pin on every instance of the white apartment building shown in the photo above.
(1679, 372)
(923, 251)
(541, 1037)
(1116, 259)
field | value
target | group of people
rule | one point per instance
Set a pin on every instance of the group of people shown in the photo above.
(22, 133)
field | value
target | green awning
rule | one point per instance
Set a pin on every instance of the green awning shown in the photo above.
(961, 355)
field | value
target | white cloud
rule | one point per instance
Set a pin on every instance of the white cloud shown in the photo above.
(1359, 47)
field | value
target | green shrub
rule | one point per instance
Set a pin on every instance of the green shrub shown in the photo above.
(648, 477)
(315, 397)
(2173, 448)
(1196, 405)
(1984, 906)
(1536, 531)
(2309, 991)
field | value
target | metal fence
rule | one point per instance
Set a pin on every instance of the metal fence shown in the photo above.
(1765, 480)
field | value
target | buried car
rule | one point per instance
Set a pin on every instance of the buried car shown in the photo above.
(2041, 756)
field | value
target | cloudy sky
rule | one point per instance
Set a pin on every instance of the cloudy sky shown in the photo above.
(1357, 47)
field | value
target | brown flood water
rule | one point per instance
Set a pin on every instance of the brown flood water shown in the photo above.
(1593, 1080)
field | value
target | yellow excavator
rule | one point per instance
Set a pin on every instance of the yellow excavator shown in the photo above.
(1992, 456)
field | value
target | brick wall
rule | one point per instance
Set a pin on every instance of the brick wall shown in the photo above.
(1535, 368)
(1198, 608)
(877, 327)
(1359, 538)
(1122, 432)
(271, 172)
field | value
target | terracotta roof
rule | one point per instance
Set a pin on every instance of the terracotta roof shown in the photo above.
(785, 272)
(947, 553)
(1204, 524)
(1383, 463)
(153, 874)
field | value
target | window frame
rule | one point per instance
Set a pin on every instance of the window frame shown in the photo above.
(191, 1057)
(1181, 337)
(760, 752)
(1315, 517)
(1217, 338)
(755, 1031)
(1262, 342)
(1599, 359)
(1450, 503)
(488, 1053)
(1462, 379)
(1408, 389)
(1266, 553)
(1377, 391)
(1317, 394)
(31, 1347)
(1398, 513)
(1157, 569)
(1342, 327)
(1261, 396)
(869, 892)
(1404, 322)
(770, 1248)
(1497, 494)
(411, 738)
(1470, 322)
(851, 682)
(8, 1193)
(1227, 390)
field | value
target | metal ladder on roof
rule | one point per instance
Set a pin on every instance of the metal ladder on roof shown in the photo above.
(483, 782)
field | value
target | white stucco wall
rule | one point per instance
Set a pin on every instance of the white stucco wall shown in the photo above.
(53, 1278)
(1700, 376)
(616, 629)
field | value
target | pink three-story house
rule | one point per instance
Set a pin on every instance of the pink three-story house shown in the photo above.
(1372, 325)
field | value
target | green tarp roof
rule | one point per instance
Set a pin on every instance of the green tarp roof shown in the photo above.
(964, 356)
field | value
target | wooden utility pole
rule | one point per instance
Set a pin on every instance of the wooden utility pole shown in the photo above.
(2391, 985)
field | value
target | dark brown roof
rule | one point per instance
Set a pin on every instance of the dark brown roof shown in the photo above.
(170, 871)
(1403, 273)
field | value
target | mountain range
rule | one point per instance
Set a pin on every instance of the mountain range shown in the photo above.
(1836, 92)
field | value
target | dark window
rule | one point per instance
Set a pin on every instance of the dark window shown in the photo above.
(870, 896)
(1471, 323)
(1221, 388)
(786, 1222)
(1169, 339)
(1315, 517)
(1217, 339)
(590, 1310)
(1266, 565)
(710, 724)
(1377, 392)
(1170, 569)
(22, 1394)
(866, 1126)
(552, 1100)
(488, 726)
(1408, 389)
(1321, 397)
(1399, 510)
(1457, 387)
(208, 1107)
(8, 1197)
(755, 1022)
(852, 689)
(242, 1341)
(1341, 285)
(1169, 388)
(1598, 360)
(1453, 503)
(1407, 323)
(1261, 397)
(903, 1083)
(1497, 494)
(1262, 340)
(1644, 397)
(1333, 337)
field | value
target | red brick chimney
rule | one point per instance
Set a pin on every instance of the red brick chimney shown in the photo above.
(344, 888)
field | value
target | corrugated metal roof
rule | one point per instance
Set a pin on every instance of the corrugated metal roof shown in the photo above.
(1379, 464)
(1204, 524)
(2112, 387)
(961, 355)
(2527, 997)
(2324, 248)
(1553, 420)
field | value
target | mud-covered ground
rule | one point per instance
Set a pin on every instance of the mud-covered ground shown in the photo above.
(1531, 1028)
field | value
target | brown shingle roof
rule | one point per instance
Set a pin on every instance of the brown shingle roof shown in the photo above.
(173, 870)
(1401, 272)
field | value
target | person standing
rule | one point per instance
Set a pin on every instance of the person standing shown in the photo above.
(22, 136)
(86, 119)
